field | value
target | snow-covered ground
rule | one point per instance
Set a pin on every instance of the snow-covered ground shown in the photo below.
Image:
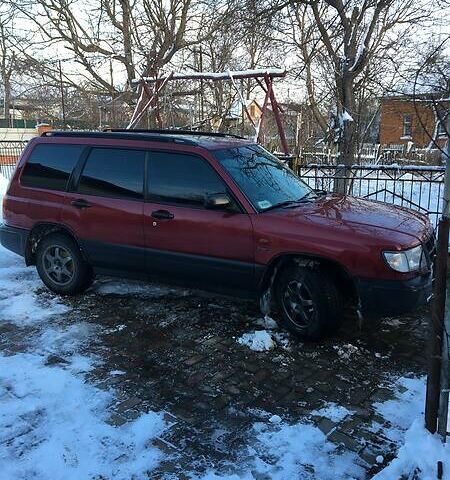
(420, 451)
(54, 424)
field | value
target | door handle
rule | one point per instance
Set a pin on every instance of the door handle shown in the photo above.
(80, 203)
(163, 215)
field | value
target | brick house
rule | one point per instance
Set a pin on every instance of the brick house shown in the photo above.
(403, 121)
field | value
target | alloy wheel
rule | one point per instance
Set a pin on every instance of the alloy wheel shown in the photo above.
(58, 264)
(298, 304)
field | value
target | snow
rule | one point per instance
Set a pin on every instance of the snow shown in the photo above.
(220, 75)
(3, 185)
(299, 451)
(361, 49)
(405, 408)
(334, 412)
(346, 351)
(346, 117)
(129, 287)
(275, 419)
(420, 449)
(267, 322)
(51, 420)
(258, 341)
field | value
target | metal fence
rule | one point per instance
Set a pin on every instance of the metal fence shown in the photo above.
(415, 187)
(10, 152)
(373, 154)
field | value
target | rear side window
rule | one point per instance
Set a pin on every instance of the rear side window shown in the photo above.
(49, 166)
(181, 178)
(113, 172)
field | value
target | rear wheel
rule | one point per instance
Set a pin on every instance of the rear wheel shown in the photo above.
(61, 266)
(309, 302)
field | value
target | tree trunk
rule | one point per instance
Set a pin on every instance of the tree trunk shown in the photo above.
(7, 100)
(347, 137)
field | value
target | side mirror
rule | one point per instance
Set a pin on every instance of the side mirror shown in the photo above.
(218, 201)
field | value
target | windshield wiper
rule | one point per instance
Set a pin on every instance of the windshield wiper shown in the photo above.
(291, 203)
(285, 204)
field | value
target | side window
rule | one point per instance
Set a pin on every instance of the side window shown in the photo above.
(116, 173)
(181, 178)
(49, 166)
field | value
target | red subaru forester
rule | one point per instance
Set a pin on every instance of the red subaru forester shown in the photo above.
(212, 211)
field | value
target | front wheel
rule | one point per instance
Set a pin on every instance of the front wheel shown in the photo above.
(61, 266)
(309, 302)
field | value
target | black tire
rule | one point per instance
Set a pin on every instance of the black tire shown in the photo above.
(61, 266)
(309, 303)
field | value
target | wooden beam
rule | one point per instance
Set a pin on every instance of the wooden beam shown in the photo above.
(218, 76)
(138, 115)
(276, 112)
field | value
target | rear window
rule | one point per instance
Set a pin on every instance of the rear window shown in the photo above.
(115, 173)
(50, 166)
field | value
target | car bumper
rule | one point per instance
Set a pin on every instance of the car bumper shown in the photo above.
(389, 297)
(14, 239)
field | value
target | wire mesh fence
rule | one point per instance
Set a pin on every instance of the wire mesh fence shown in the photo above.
(415, 187)
(10, 152)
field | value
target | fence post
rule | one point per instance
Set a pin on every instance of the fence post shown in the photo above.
(437, 319)
(444, 394)
(436, 327)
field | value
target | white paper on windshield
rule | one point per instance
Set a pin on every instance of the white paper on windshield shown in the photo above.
(264, 204)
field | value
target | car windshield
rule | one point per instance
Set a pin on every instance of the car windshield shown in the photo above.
(265, 181)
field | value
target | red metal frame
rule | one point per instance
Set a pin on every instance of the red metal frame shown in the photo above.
(149, 97)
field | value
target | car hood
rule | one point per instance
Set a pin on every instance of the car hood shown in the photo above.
(350, 211)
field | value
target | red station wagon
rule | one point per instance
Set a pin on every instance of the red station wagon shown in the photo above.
(212, 211)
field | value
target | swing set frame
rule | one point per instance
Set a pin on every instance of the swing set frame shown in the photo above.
(150, 88)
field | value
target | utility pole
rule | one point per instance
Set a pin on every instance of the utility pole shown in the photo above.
(202, 91)
(113, 107)
(61, 86)
(436, 327)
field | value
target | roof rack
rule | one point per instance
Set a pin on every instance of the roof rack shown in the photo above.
(121, 134)
(174, 131)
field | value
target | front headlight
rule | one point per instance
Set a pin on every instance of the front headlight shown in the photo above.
(407, 260)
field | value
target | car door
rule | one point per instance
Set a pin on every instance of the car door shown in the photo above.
(105, 208)
(184, 239)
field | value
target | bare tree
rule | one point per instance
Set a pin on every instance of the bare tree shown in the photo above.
(7, 67)
(8, 59)
(129, 37)
(339, 45)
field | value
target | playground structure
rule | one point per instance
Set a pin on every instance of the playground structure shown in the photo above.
(150, 89)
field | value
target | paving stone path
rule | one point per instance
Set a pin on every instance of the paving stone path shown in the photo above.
(176, 351)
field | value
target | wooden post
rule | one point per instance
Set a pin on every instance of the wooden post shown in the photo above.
(276, 112)
(436, 327)
(444, 396)
(263, 114)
